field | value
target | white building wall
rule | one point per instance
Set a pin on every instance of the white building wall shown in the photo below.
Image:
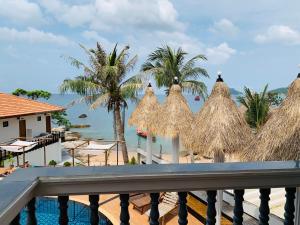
(36, 157)
(12, 131)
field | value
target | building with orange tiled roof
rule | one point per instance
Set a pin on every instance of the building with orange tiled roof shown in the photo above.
(22, 117)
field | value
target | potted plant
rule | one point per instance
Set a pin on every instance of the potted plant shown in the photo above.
(52, 163)
(11, 161)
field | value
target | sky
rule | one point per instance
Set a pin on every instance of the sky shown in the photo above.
(253, 43)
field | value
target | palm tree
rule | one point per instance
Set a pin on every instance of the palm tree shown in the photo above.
(165, 64)
(257, 105)
(105, 83)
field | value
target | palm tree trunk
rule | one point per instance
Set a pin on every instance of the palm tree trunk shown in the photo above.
(120, 133)
(114, 125)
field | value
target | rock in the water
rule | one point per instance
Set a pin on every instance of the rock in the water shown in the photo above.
(82, 116)
(80, 126)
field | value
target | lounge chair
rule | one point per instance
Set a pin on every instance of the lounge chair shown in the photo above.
(140, 202)
(168, 204)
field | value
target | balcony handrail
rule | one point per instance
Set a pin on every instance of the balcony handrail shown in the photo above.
(25, 184)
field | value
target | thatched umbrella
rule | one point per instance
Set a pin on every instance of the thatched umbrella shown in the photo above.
(173, 118)
(279, 138)
(142, 117)
(219, 128)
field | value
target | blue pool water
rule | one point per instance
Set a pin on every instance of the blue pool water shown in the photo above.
(47, 213)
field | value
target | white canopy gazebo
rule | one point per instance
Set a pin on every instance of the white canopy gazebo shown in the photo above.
(19, 146)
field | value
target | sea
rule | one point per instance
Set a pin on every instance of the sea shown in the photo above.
(101, 121)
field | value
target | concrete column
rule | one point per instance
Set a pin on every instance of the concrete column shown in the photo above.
(149, 149)
(175, 145)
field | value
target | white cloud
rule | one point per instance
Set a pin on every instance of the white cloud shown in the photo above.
(279, 34)
(225, 27)
(21, 11)
(219, 54)
(32, 35)
(92, 35)
(117, 15)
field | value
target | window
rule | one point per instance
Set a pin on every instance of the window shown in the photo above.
(5, 123)
(39, 118)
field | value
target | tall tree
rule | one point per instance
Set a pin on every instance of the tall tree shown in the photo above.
(257, 105)
(105, 83)
(34, 94)
(165, 64)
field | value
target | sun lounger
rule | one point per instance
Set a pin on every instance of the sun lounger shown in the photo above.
(140, 202)
(168, 204)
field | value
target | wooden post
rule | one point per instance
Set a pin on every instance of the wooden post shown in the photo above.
(238, 210)
(94, 205)
(264, 209)
(88, 159)
(182, 209)
(18, 163)
(105, 157)
(45, 159)
(124, 215)
(23, 156)
(73, 157)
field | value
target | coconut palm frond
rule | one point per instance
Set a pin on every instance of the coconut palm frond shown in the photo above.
(101, 100)
(195, 87)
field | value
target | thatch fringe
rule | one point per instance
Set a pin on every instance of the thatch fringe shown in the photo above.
(145, 112)
(279, 138)
(174, 117)
(219, 126)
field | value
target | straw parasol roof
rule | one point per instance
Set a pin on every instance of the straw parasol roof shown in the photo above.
(174, 117)
(219, 127)
(279, 139)
(143, 115)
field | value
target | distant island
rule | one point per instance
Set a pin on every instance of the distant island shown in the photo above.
(235, 92)
(283, 90)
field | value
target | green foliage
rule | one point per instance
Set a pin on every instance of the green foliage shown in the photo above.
(60, 119)
(275, 98)
(132, 161)
(52, 163)
(165, 64)
(10, 159)
(67, 164)
(257, 105)
(35, 94)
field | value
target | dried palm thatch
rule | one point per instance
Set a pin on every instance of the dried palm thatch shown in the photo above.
(219, 127)
(174, 117)
(279, 139)
(144, 113)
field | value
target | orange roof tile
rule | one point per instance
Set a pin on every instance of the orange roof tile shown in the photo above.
(11, 106)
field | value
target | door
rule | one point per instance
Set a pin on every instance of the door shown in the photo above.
(22, 129)
(48, 124)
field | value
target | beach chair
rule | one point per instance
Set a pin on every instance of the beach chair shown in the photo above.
(168, 204)
(140, 202)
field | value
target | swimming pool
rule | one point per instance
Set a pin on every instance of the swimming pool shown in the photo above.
(47, 212)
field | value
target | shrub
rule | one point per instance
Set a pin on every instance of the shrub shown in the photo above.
(67, 164)
(52, 163)
(132, 161)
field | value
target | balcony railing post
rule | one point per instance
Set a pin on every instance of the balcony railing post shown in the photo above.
(94, 205)
(154, 213)
(211, 208)
(31, 219)
(182, 209)
(124, 215)
(264, 209)
(289, 208)
(63, 210)
(16, 220)
(238, 210)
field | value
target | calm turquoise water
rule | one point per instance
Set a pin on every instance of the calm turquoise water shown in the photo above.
(47, 212)
(101, 121)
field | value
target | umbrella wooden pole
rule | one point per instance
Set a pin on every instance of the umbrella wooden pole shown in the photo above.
(149, 148)
(88, 159)
(73, 158)
(219, 157)
(175, 145)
